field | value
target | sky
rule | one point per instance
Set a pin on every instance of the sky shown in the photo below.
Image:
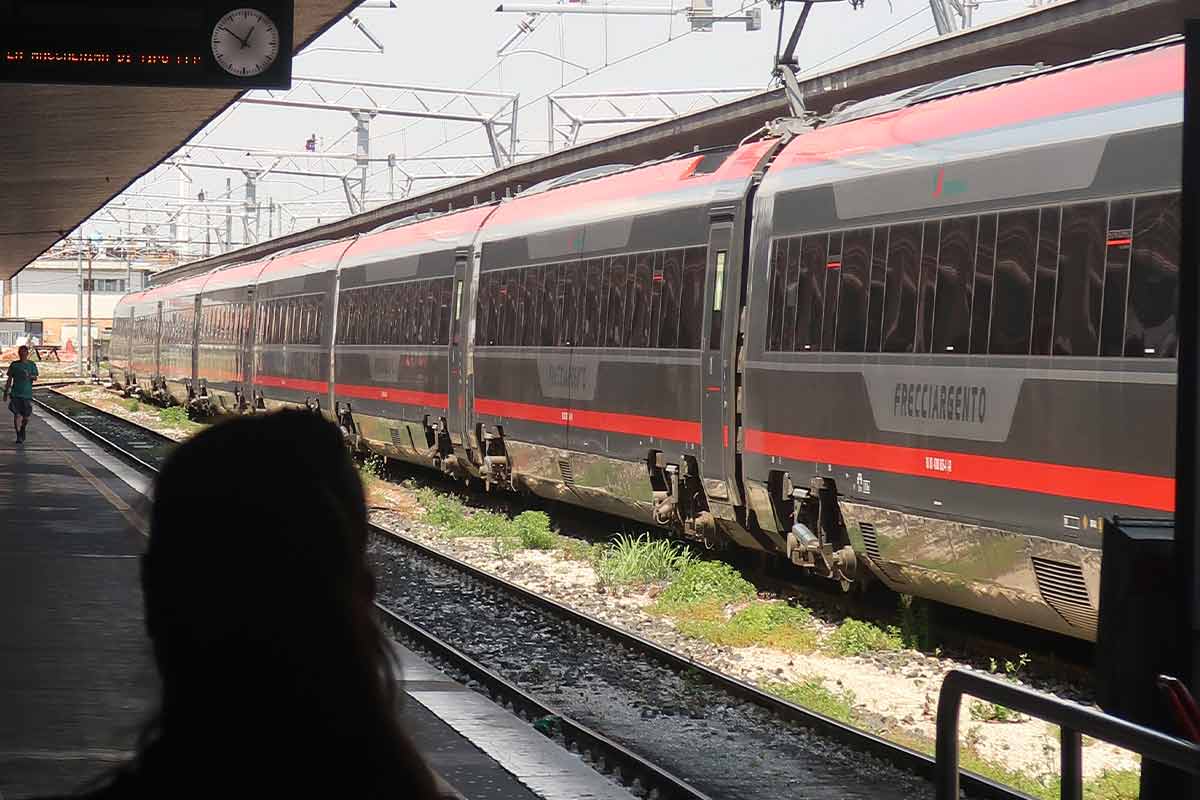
(453, 44)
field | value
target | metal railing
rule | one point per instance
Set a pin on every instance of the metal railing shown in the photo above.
(1072, 719)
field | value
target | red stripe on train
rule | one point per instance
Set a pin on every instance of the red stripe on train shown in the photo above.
(635, 424)
(387, 394)
(1099, 485)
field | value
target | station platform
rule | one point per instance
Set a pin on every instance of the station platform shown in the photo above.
(77, 677)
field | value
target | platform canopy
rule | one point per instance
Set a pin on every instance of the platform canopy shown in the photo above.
(65, 151)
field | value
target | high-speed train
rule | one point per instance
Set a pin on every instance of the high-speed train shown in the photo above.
(931, 339)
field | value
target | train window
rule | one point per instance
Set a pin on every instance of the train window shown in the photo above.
(441, 319)
(656, 281)
(412, 313)
(533, 305)
(1012, 304)
(791, 291)
(1045, 278)
(981, 302)
(955, 279)
(589, 334)
(853, 292)
(875, 303)
(520, 304)
(481, 310)
(496, 305)
(617, 332)
(714, 333)
(833, 290)
(550, 305)
(428, 304)
(639, 300)
(668, 328)
(810, 301)
(501, 310)
(1116, 277)
(779, 250)
(930, 244)
(569, 290)
(1150, 327)
(691, 303)
(900, 290)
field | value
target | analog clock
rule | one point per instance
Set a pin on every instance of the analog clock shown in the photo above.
(245, 42)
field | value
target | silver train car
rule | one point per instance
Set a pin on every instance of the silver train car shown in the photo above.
(931, 340)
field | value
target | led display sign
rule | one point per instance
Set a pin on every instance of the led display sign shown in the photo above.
(244, 44)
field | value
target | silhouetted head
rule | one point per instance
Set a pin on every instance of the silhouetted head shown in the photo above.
(259, 604)
(23, 352)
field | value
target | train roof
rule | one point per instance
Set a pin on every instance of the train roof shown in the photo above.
(686, 180)
(439, 232)
(1096, 84)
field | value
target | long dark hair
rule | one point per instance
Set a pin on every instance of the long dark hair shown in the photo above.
(276, 677)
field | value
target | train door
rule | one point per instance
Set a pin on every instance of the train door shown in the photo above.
(156, 374)
(717, 439)
(245, 375)
(195, 349)
(458, 378)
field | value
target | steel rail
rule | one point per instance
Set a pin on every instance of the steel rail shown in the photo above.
(897, 755)
(629, 766)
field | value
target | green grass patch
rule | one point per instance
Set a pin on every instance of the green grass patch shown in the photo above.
(579, 550)
(1113, 784)
(133, 405)
(174, 415)
(814, 695)
(762, 624)
(855, 637)
(533, 531)
(705, 582)
(629, 561)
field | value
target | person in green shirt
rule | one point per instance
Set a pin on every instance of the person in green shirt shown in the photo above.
(18, 390)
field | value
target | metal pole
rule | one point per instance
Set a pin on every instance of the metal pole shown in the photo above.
(228, 216)
(79, 321)
(91, 285)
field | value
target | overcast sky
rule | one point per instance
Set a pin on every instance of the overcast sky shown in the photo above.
(453, 44)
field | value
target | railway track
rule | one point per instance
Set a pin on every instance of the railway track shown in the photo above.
(656, 721)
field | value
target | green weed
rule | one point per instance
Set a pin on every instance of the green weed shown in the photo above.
(712, 582)
(504, 546)
(914, 623)
(765, 624)
(994, 712)
(630, 561)
(133, 405)
(815, 696)
(373, 467)
(579, 550)
(176, 416)
(533, 531)
(855, 637)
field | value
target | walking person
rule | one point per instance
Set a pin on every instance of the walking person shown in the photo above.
(18, 390)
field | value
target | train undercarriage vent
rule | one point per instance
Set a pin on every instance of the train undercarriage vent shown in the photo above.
(818, 540)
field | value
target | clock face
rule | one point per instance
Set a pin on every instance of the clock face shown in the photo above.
(245, 42)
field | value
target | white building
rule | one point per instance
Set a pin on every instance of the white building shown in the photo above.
(49, 290)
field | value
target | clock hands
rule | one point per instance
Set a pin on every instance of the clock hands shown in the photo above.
(243, 41)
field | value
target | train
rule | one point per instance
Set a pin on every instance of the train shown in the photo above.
(928, 339)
